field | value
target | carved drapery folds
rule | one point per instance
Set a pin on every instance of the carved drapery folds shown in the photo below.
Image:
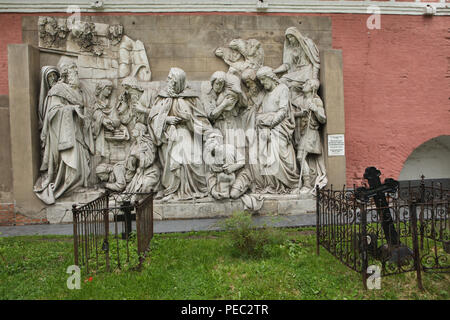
(254, 131)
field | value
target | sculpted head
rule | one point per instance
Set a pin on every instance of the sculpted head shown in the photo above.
(218, 80)
(132, 88)
(69, 74)
(267, 78)
(103, 88)
(238, 45)
(115, 32)
(102, 171)
(253, 46)
(213, 146)
(293, 35)
(311, 85)
(176, 81)
(139, 130)
(52, 77)
(249, 78)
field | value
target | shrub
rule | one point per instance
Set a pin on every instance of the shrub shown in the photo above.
(249, 239)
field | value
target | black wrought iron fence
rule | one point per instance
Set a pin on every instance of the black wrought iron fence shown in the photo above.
(356, 232)
(103, 233)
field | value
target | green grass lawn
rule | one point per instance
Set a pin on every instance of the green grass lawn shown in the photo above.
(201, 265)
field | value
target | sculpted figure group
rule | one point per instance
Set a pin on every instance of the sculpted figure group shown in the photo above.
(256, 132)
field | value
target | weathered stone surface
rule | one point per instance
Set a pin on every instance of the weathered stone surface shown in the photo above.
(6, 181)
(225, 208)
(23, 76)
(189, 43)
(333, 95)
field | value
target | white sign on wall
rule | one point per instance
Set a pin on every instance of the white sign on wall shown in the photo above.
(336, 145)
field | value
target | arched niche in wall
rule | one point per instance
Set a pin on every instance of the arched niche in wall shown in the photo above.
(432, 159)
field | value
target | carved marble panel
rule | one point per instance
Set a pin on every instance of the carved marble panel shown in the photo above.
(246, 134)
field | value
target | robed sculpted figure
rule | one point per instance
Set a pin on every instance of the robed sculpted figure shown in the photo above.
(275, 126)
(309, 146)
(301, 60)
(49, 77)
(67, 139)
(178, 122)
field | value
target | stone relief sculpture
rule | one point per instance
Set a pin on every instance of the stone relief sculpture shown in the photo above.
(141, 161)
(49, 77)
(242, 54)
(133, 60)
(67, 141)
(301, 59)
(310, 153)
(130, 109)
(115, 34)
(106, 123)
(275, 127)
(249, 135)
(52, 33)
(113, 176)
(301, 63)
(85, 36)
(178, 124)
(227, 100)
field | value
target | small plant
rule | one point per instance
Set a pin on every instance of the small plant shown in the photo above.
(2, 250)
(249, 239)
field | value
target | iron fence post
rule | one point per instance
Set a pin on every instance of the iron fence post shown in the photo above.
(138, 228)
(126, 209)
(75, 233)
(364, 264)
(317, 220)
(106, 240)
(416, 253)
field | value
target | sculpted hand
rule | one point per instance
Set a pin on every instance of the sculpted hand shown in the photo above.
(261, 123)
(216, 169)
(108, 124)
(312, 107)
(173, 120)
(229, 168)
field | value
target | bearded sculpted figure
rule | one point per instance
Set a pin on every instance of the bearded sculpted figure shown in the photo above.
(67, 139)
(131, 108)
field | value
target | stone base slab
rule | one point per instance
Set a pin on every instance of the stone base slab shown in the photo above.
(61, 212)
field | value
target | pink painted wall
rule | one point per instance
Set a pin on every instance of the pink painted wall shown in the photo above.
(396, 85)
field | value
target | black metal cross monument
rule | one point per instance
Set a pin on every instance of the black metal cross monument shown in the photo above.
(377, 191)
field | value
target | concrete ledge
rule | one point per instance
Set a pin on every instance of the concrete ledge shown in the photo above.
(207, 208)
